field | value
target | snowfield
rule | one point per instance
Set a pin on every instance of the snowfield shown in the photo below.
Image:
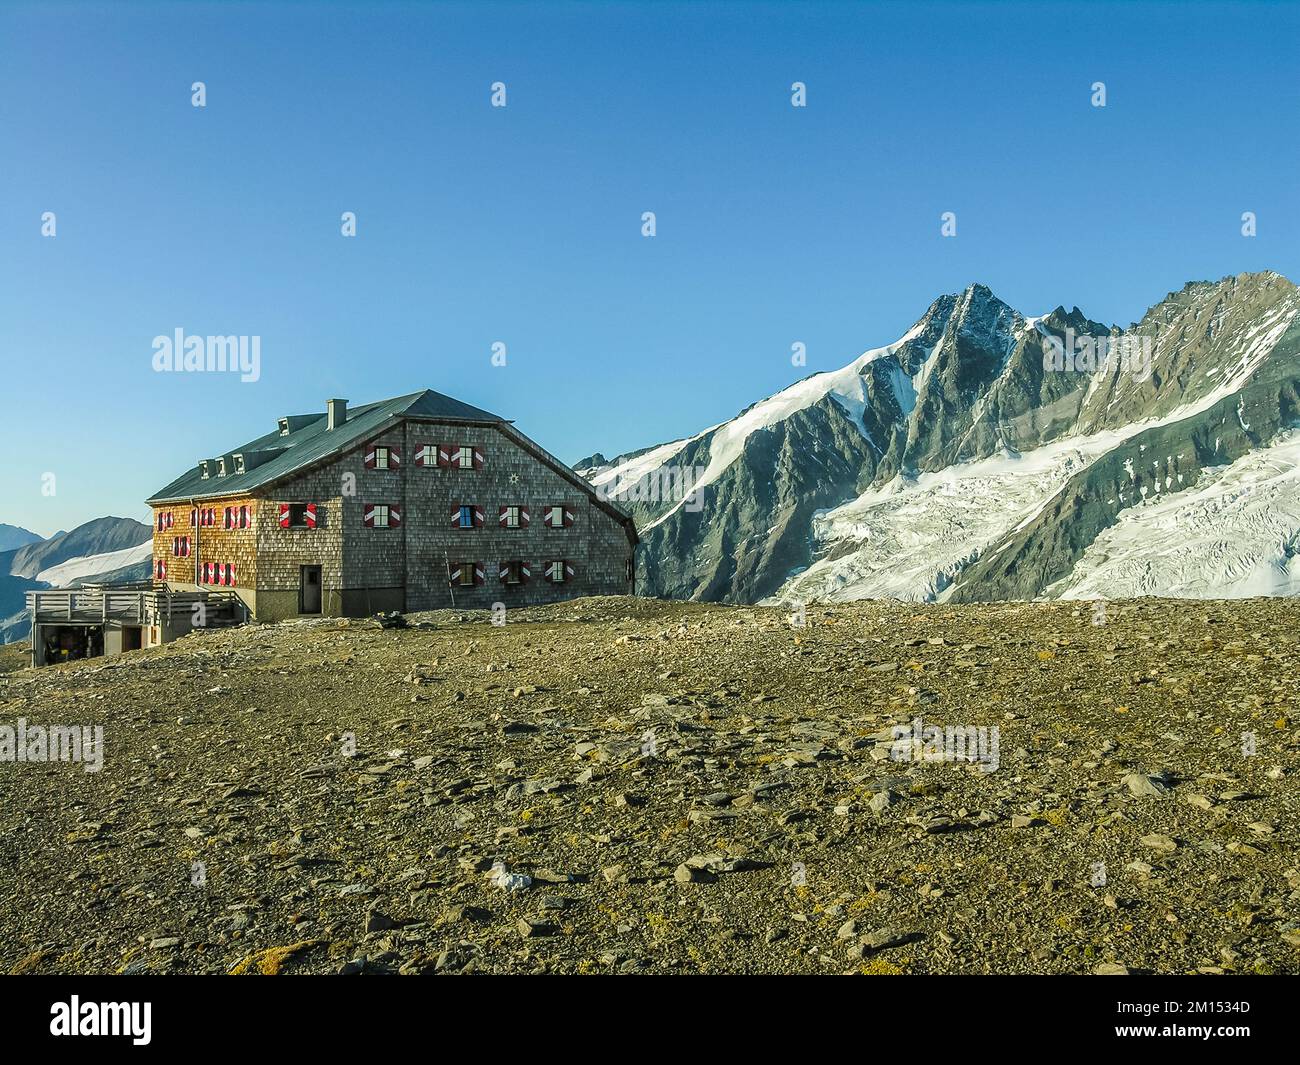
(75, 569)
(914, 536)
(1234, 536)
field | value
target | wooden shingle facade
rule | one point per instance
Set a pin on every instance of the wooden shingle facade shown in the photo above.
(416, 503)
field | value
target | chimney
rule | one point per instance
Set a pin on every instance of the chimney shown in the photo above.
(338, 412)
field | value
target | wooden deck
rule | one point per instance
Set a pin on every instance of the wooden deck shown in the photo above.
(125, 606)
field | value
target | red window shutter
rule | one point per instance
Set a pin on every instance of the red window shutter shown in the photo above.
(480, 573)
(478, 459)
(568, 571)
(245, 518)
(478, 517)
(194, 516)
(370, 457)
(524, 573)
(568, 517)
(502, 512)
(394, 514)
(368, 515)
(453, 573)
(444, 455)
(233, 582)
(284, 515)
(419, 455)
(394, 459)
(455, 515)
(523, 517)
(503, 571)
(311, 515)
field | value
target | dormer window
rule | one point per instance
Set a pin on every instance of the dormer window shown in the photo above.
(221, 466)
(239, 463)
(205, 469)
(284, 426)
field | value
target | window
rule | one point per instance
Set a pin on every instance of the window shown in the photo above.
(510, 517)
(181, 546)
(466, 575)
(555, 517)
(374, 515)
(466, 458)
(382, 457)
(245, 518)
(427, 456)
(555, 571)
(512, 572)
(160, 570)
(466, 518)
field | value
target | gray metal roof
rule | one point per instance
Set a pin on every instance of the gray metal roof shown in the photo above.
(309, 441)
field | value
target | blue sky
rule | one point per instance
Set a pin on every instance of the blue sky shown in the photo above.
(522, 224)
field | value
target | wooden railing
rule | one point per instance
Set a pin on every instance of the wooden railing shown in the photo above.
(100, 605)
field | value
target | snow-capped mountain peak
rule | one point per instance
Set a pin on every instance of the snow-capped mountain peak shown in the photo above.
(978, 455)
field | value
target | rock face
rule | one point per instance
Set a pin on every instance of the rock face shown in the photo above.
(987, 455)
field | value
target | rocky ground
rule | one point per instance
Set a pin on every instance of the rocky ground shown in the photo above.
(621, 785)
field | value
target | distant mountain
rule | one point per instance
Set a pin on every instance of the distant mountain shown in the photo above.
(116, 549)
(991, 455)
(13, 537)
(96, 537)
